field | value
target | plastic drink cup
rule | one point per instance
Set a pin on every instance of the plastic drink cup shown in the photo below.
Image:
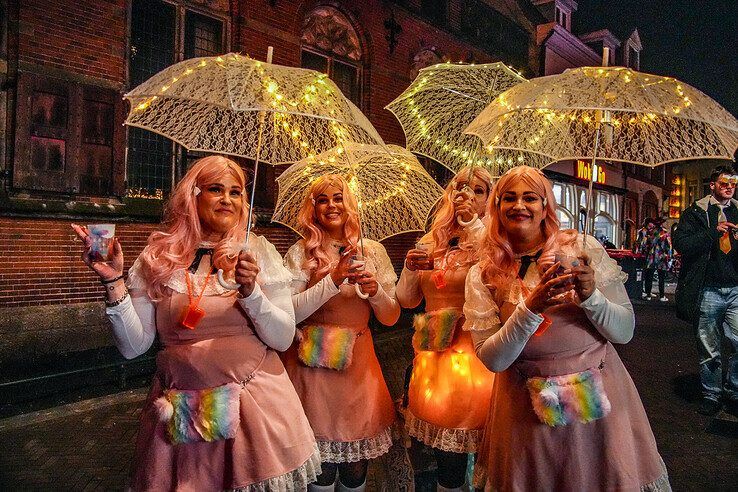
(426, 247)
(101, 236)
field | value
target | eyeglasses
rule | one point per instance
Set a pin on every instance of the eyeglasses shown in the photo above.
(728, 183)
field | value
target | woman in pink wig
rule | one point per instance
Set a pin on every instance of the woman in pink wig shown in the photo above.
(222, 413)
(449, 391)
(544, 311)
(333, 365)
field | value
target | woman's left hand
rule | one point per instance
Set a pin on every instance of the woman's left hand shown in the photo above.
(584, 278)
(367, 282)
(246, 272)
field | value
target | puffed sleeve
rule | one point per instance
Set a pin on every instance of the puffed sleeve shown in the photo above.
(384, 304)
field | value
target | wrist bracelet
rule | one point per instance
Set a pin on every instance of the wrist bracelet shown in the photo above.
(110, 281)
(117, 301)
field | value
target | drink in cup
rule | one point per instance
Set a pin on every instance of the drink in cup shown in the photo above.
(427, 248)
(101, 245)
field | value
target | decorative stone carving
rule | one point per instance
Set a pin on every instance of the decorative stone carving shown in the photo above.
(330, 30)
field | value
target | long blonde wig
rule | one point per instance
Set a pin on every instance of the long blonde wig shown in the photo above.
(174, 248)
(316, 255)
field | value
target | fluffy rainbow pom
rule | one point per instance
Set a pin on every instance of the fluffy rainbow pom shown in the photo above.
(326, 346)
(435, 330)
(208, 415)
(561, 400)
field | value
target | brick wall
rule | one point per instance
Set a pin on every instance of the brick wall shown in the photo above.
(87, 37)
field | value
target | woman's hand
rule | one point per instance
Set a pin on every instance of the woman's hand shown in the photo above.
(418, 259)
(367, 282)
(584, 278)
(246, 272)
(106, 270)
(465, 209)
(342, 270)
(549, 291)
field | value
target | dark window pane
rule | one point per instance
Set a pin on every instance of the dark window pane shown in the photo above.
(314, 61)
(149, 160)
(346, 78)
(203, 36)
(434, 10)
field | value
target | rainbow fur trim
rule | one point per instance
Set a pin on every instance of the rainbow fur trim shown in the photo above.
(326, 346)
(209, 414)
(561, 400)
(435, 330)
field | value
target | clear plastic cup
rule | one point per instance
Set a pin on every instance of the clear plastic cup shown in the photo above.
(427, 248)
(101, 236)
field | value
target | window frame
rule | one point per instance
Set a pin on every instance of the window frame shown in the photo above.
(181, 7)
(331, 57)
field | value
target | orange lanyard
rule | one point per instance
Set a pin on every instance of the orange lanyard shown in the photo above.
(189, 287)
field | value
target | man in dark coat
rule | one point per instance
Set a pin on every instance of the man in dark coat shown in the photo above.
(707, 291)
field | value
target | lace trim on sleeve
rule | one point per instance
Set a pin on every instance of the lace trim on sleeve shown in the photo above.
(294, 261)
(271, 268)
(135, 276)
(385, 272)
(606, 270)
(480, 310)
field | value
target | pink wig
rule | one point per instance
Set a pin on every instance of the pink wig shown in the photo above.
(316, 257)
(174, 248)
(497, 259)
(444, 224)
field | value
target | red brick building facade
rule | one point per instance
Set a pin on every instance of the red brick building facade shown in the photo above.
(66, 157)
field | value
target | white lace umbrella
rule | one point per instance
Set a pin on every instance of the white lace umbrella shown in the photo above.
(233, 104)
(442, 101)
(394, 191)
(610, 113)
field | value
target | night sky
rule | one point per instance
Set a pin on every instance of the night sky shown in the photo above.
(694, 41)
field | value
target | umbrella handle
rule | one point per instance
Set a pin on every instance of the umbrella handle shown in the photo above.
(466, 224)
(360, 293)
(225, 284)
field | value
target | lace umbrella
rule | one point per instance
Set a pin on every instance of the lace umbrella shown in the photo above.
(442, 101)
(610, 113)
(233, 104)
(394, 191)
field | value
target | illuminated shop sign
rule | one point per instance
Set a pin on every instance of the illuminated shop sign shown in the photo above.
(583, 170)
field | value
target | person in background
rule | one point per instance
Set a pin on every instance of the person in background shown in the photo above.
(221, 413)
(707, 288)
(654, 242)
(450, 389)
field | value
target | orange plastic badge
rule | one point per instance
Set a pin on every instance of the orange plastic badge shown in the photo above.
(545, 325)
(192, 316)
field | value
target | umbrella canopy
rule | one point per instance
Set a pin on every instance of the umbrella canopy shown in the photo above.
(442, 101)
(395, 193)
(645, 119)
(233, 104)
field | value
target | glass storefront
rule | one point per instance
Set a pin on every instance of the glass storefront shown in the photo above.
(572, 202)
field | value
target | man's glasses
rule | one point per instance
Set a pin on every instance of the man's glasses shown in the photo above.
(728, 181)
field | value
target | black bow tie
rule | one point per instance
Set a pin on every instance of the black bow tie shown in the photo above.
(198, 257)
(525, 262)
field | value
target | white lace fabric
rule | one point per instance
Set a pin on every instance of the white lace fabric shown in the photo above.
(351, 451)
(480, 310)
(268, 259)
(296, 480)
(450, 440)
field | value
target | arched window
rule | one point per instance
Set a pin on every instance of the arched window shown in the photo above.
(604, 227)
(565, 218)
(331, 45)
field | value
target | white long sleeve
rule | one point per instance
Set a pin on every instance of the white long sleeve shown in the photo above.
(611, 312)
(498, 350)
(270, 310)
(306, 301)
(408, 289)
(134, 324)
(385, 307)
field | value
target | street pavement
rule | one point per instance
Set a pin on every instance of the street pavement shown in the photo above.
(88, 445)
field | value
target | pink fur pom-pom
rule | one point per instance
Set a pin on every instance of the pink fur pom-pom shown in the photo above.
(549, 397)
(164, 408)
